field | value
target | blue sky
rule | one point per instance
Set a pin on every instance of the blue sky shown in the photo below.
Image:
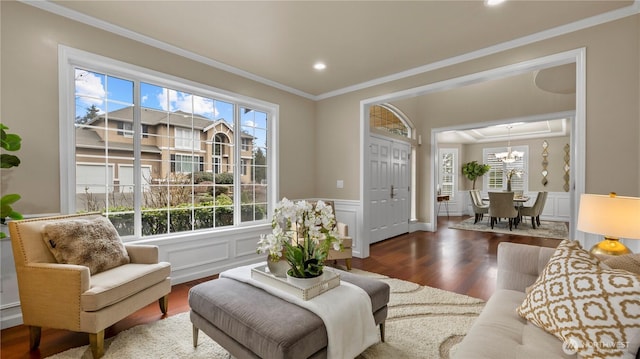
(112, 93)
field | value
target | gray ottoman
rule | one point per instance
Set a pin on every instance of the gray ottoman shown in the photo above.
(251, 323)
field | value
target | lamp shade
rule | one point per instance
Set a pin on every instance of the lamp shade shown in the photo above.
(609, 215)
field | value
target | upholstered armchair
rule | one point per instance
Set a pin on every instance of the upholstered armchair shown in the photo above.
(535, 210)
(117, 280)
(343, 232)
(479, 208)
(346, 252)
(501, 206)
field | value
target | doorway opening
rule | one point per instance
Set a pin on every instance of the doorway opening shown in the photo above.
(427, 187)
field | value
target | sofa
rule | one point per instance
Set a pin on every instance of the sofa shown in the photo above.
(523, 271)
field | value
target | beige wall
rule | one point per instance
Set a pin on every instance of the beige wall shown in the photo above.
(612, 112)
(319, 141)
(29, 68)
(555, 177)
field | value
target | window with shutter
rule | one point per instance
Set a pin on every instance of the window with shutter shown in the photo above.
(497, 175)
(448, 168)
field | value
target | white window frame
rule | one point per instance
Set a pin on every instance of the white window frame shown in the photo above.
(523, 164)
(454, 171)
(70, 58)
(187, 139)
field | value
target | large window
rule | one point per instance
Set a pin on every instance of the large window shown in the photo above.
(496, 178)
(158, 155)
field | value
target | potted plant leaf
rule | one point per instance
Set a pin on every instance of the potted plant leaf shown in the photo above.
(8, 142)
(472, 170)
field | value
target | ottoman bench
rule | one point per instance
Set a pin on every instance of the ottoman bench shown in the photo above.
(241, 318)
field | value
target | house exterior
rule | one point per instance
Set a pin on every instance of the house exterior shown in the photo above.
(172, 143)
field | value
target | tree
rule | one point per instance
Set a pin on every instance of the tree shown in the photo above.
(92, 112)
(472, 170)
(260, 161)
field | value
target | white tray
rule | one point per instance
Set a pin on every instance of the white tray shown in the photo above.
(329, 280)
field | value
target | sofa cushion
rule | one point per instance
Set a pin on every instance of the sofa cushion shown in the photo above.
(628, 262)
(116, 284)
(92, 243)
(594, 311)
(499, 332)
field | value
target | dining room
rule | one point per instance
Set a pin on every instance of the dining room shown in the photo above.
(526, 159)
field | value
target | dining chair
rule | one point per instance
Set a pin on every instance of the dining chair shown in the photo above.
(501, 206)
(479, 208)
(535, 210)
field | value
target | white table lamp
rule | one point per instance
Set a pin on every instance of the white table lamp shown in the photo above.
(613, 217)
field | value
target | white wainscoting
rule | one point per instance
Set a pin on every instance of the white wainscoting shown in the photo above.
(191, 256)
(349, 213)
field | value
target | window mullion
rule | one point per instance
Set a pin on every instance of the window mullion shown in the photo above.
(237, 139)
(137, 162)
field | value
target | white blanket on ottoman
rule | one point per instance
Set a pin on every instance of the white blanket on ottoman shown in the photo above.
(345, 311)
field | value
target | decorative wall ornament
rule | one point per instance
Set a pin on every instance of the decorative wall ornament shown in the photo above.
(566, 167)
(545, 162)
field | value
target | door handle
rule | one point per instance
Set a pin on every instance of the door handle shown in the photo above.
(392, 191)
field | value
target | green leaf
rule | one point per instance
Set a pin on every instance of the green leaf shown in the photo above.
(10, 142)
(8, 161)
(9, 199)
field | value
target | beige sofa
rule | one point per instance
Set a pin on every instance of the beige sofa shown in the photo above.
(499, 332)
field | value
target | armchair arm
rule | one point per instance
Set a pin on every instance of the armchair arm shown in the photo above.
(142, 253)
(519, 265)
(50, 294)
(343, 229)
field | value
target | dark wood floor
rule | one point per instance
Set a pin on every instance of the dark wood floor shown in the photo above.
(459, 261)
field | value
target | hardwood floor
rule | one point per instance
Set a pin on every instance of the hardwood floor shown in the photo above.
(459, 261)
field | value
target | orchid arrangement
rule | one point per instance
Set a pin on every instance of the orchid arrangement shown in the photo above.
(515, 171)
(304, 232)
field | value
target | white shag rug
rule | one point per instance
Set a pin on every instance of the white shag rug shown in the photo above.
(547, 229)
(423, 322)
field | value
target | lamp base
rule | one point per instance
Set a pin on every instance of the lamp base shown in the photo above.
(610, 247)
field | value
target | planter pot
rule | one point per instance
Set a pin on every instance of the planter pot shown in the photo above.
(278, 268)
(304, 282)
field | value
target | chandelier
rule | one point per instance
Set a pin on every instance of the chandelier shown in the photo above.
(509, 156)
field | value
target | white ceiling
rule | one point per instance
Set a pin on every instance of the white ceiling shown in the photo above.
(362, 42)
(504, 132)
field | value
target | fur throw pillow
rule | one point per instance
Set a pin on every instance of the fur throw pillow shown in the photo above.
(93, 243)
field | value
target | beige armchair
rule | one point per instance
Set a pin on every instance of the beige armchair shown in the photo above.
(346, 252)
(501, 206)
(343, 232)
(68, 296)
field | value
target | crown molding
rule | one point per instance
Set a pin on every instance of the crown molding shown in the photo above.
(526, 40)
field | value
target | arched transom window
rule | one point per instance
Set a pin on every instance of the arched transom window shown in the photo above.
(384, 118)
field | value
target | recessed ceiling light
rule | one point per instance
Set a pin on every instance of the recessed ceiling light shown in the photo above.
(319, 66)
(493, 2)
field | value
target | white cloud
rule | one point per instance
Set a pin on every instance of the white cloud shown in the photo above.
(249, 123)
(90, 89)
(171, 100)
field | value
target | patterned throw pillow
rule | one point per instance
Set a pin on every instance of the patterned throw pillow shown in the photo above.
(93, 243)
(593, 310)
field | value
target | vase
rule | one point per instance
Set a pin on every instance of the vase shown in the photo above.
(278, 267)
(304, 282)
(508, 185)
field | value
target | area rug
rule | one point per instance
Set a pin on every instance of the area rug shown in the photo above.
(423, 322)
(547, 229)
